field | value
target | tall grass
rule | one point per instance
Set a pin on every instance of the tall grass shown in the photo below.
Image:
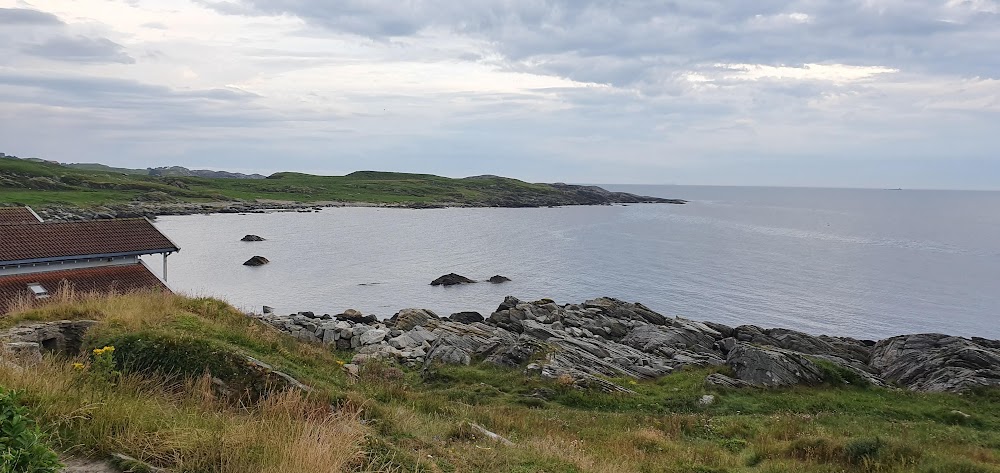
(398, 420)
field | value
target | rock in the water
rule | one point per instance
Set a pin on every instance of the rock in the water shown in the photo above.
(937, 363)
(467, 317)
(451, 279)
(772, 367)
(499, 279)
(256, 261)
(251, 238)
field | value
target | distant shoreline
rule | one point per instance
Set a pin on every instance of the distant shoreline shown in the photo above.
(154, 210)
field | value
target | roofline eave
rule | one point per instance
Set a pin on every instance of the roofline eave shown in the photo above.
(56, 259)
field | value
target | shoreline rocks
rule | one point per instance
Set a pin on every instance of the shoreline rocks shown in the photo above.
(606, 338)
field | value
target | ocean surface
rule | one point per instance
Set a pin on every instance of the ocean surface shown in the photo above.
(862, 263)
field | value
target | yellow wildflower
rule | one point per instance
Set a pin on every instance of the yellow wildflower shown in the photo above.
(78, 366)
(101, 351)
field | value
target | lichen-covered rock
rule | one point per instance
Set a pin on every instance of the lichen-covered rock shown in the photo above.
(467, 317)
(937, 363)
(772, 367)
(406, 319)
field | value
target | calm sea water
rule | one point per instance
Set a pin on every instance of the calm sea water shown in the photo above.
(864, 263)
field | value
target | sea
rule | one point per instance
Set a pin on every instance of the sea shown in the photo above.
(865, 263)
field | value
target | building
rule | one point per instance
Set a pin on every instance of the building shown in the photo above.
(18, 215)
(39, 258)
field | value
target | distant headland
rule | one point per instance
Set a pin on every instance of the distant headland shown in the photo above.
(85, 191)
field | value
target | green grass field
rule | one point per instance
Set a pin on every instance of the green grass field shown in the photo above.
(393, 419)
(41, 184)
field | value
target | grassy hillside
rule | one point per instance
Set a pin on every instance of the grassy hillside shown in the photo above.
(45, 184)
(158, 402)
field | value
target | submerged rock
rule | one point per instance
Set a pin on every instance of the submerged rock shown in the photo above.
(499, 279)
(451, 279)
(251, 238)
(256, 261)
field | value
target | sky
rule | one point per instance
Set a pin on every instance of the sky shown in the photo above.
(833, 93)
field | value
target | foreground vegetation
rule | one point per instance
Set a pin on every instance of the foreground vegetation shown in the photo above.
(150, 398)
(34, 183)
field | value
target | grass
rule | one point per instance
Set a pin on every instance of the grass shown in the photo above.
(394, 419)
(47, 184)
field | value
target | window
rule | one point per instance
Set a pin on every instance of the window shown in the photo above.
(38, 290)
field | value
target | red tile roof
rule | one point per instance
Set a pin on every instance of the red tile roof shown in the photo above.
(17, 215)
(103, 280)
(56, 241)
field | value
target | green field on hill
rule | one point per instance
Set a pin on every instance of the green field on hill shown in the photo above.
(35, 183)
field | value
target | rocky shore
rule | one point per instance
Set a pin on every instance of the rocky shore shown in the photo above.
(151, 210)
(592, 343)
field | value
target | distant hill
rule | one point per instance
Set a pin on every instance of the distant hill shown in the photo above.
(46, 183)
(182, 171)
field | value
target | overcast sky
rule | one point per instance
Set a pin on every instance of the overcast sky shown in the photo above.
(856, 93)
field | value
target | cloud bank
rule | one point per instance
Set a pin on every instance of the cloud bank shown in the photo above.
(776, 92)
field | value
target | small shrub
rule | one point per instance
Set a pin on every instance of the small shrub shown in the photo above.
(863, 450)
(21, 448)
(754, 458)
(836, 375)
(384, 380)
(733, 445)
(532, 402)
(815, 449)
(463, 432)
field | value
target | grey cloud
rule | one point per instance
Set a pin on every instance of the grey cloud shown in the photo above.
(155, 25)
(80, 49)
(625, 42)
(24, 16)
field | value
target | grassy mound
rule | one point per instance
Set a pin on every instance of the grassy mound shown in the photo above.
(156, 400)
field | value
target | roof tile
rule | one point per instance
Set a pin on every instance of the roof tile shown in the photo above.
(64, 240)
(17, 215)
(103, 279)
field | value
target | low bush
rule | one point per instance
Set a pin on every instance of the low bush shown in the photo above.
(21, 447)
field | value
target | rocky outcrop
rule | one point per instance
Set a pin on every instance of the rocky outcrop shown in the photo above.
(499, 279)
(938, 363)
(466, 317)
(252, 238)
(256, 261)
(606, 338)
(62, 337)
(772, 367)
(451, 279)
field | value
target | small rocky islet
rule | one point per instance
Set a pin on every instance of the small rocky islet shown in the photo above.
(605, 338)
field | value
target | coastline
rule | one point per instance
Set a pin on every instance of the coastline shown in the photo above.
(602, 340)
(152, 210)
